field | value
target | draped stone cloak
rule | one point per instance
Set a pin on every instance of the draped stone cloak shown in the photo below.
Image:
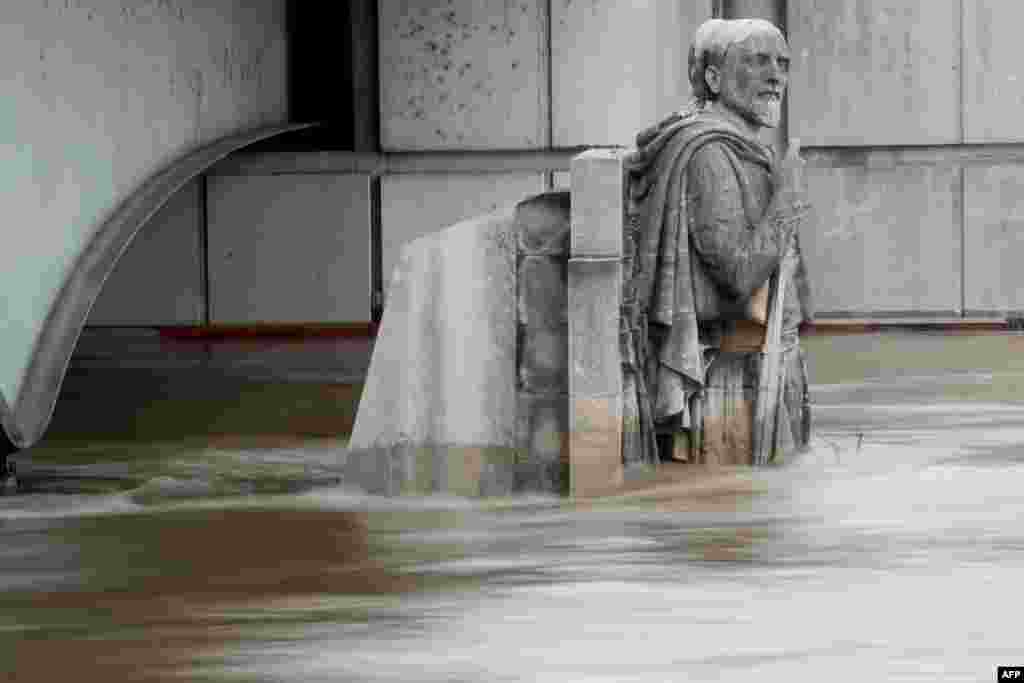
(667, 288)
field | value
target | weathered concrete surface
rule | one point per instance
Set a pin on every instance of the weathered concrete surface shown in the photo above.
(165, 260)
(595, 375)
(874, 72)
(993, 86)
(993, 244)
(413, 205)
(595, 298)
(442, 382)
(543, 341)
(598, 209)
(107, 95)
(618, 66)
(466, 74)
(289, 248)
(884, 240)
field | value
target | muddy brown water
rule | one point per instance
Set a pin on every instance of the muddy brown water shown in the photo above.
(893, 551)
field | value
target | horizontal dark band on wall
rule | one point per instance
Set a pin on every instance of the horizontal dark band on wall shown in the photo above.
(915, 155)
(979, 325)
(268, 331)
(824, 326)
(826, 317)
(541, 161)
(278, 163)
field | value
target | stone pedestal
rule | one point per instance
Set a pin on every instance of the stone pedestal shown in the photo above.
(497, 367)
(595, 290)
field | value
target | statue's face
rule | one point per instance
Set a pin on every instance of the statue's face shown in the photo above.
(753, 77)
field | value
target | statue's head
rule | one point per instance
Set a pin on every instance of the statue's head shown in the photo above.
(742, 65)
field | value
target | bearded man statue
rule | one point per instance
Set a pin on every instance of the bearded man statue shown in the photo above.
(711, 213)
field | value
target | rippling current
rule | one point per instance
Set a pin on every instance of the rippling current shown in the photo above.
(893, 551)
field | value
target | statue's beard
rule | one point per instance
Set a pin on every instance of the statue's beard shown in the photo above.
(766, 112)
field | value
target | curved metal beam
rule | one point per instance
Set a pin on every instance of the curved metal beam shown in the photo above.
(27, 415)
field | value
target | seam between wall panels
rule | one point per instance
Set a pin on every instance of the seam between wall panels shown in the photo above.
(962, 175)
(549, 77)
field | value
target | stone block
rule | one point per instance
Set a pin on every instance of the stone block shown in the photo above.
(467, 74)
(544, 223)
(543, 291)
(597, 203)
(875, 72)
(443, 371)
(993, 87)
(594, 301)
(289, 248)
(595, 444)
(414, 205)
(884, 240)
(617, 66)
(543, 442)
(993, 239)
(544, 359)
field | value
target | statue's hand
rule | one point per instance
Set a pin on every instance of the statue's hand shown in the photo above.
(789, 202)
(789, 174)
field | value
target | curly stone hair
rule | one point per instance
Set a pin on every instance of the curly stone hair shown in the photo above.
(710, 44)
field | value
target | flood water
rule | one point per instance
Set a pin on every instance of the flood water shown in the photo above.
(893, 551)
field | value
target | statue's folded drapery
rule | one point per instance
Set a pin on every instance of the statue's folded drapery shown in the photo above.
(691, 258)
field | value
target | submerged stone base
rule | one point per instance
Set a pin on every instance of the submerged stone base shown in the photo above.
(497, 366)
(471, 471)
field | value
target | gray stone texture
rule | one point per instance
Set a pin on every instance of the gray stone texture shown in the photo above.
(993, 244)
(543, 349)
(993, 88)
(597, 203)
(544, 360)
(544, 224)
(617, 66)
(543, 442)
(884, 240)
(289, 248)
(466, 74)
(876, 72)
(418, 204)
(543, 294)
(594, 300)
(442, 379)
(595, 377)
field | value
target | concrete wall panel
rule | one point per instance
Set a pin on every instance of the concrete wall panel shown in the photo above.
(884, 240)
(463, 74)
(993, 84)
(618, 66)
(102, 94)
(158, 280)
(994, 239)
(417, 205)
(289, 248)
(875, 72)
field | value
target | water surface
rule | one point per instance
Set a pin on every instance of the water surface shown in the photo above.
(893, 551)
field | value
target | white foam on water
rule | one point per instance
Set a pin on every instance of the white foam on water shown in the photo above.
(841, 624)
(62, 506)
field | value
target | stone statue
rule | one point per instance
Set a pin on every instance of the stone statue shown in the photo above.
(711, 214)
